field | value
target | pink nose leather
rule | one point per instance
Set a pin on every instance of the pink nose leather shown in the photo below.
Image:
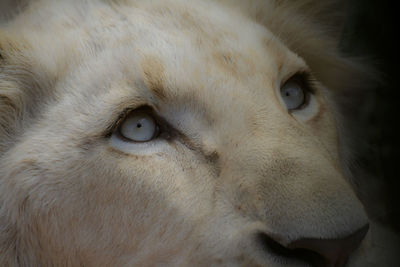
(331, 252)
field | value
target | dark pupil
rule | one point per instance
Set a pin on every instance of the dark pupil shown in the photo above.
(139, 125)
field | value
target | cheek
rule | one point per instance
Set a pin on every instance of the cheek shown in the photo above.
(116, 202)
(325, 128)
(176, 179)
(321, 124)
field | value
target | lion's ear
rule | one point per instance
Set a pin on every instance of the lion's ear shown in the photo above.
(13, 81)
(10, 46)
(2, 47)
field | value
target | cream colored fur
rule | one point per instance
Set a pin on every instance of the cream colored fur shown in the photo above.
(242, 165)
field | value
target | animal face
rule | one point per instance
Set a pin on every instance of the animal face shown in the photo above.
(172, 132)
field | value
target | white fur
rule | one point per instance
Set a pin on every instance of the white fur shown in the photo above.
(240, 164)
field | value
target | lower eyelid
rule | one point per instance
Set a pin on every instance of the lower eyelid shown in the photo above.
(138, 148)
(309, 111)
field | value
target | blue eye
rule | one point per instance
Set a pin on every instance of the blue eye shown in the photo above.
(293, 95)
(139, 126)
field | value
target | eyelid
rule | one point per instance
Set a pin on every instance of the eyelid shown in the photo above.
(304, 78)
(117, 122)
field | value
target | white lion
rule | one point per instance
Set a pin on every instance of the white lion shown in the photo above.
(180, 133)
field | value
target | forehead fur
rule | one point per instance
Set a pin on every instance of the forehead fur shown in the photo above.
(301, 25)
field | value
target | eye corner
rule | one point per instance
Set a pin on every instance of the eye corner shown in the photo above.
(114, 126)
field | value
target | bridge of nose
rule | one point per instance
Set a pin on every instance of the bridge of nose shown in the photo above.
(295, 191)
(277, 171)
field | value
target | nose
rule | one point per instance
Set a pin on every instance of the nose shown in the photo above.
(318, 252)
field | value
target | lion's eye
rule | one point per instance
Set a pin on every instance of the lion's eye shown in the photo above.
(139, 126)
(293, 94)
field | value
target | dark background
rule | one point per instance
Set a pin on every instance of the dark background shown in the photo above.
(371, 33)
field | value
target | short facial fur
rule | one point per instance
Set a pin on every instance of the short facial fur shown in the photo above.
(233, 162)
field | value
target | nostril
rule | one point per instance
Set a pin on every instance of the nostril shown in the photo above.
(335, 252)
(317, 252)
(298, 254)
